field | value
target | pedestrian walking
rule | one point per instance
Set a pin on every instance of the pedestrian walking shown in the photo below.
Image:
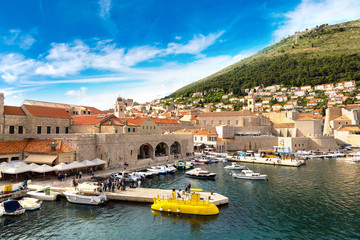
(80, 174)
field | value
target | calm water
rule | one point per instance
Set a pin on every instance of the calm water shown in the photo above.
(317, 201)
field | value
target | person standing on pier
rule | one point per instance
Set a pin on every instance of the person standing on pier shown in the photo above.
(139, 183)
(189, 186)
(80, 174)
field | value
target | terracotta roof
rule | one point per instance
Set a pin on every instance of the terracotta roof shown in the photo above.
(350, 129)
(12, 146)
(306, 118)
(343, 117)
(95, 110)
(165, 120)
(197, 131)
(33, 146)
(44, 147)
(134, 121)
(47, 111)
(10, 110)
(90, 119)
(227, 114)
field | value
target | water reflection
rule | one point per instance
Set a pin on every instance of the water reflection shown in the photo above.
(195, 221)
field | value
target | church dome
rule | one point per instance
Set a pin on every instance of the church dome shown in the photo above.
(119, 99)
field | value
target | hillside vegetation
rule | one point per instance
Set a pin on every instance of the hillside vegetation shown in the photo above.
(325, 54)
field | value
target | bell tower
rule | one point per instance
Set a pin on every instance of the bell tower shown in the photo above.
(119, 109)
(2, 113)
(251, 101)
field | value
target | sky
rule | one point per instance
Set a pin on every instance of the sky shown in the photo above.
(89, 52)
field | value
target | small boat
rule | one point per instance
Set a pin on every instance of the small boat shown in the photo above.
(158, 169)
(202, 160)
(184, 165)
(200, 174)
(84, 198)
(1, 211)
(234, 166)
(30, 203)
(12, 207)
(128, 177)
(195, 205)
(249, 174)
(44, 194)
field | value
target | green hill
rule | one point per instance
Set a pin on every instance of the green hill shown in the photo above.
(325, 54)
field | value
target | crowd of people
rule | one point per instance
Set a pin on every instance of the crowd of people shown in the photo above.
(110, 185)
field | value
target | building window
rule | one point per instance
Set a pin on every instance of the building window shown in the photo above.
(212, 122)
(204, 122)
(228, 122)
(214, 138)
(201, 138)
(134, 129)
(220, 122)
(84, 112)
(154, 127)
(131, 152)
(66, 130)
(57, 129)
(11, 129)
(39, 130)
(150, 127)
(195, 138)
(237, 122)
(129, 129)
(20, 130)
(143, 127)
(48, 129)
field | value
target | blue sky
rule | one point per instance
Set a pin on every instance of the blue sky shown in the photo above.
(89, 52)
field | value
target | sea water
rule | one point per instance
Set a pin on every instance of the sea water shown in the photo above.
(319, 200)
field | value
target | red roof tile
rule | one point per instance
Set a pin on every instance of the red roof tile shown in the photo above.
(12, 146)
(47, 111)
(90, 119)
(165, 121)
(134, 121)
(95, 110)
(33, 146)
(11, 110)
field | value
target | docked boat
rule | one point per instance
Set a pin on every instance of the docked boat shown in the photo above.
(128, 177)
(30, 203)
(184, 165)
(194, 205)
(12, 207)
(44, 194)
(354, 157)
(202, 160)
(249, 174)
(1, 211)
(200, 174)
(234, 166)
(84, 197)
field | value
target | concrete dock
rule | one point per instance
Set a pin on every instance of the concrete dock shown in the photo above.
(143, 195)
(288, 163)
(14, 195)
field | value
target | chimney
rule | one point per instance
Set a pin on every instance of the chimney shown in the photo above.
(53, 146)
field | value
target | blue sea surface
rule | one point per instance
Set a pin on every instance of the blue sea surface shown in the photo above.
(319, 200)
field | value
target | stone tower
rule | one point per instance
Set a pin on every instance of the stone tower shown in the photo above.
(119, 107)
(251, 101)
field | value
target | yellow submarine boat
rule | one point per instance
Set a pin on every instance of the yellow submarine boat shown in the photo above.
(194, 205)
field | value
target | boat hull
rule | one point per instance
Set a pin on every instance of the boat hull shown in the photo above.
(88, 200)
(43, 196)
(185, 207)
(210, 177)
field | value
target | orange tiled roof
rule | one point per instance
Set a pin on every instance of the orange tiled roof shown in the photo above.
(350, 129)
(165, 120)
(47, 111)
(95, 110)
(343, 117)
(35, 146)
(12, 146)
(89, 119)
(11, 110)
(197, 131)
(44, 147)
(134, 121)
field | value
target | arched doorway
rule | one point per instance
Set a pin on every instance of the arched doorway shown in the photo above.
(161, 150)
(175, 148)
(145, 151)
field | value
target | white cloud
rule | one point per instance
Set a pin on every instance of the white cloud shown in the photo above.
(310, 13)
(105, 6)
(177, 37)
(78, 93)
(16, 37)
(13, 65)
(195, 46)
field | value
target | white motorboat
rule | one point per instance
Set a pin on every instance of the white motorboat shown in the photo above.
(234, 166)
(157, 169)
(44, 194)
(126, 176)
(30, 203)
(84, 198)
(12, 207)
(1, 211)
(249, 174)
(200, 174)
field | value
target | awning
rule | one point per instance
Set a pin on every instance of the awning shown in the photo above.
(197, 144)
(41, 159)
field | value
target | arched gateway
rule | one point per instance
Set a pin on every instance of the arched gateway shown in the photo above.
(161, 150)
(145, 151)
(175, 148)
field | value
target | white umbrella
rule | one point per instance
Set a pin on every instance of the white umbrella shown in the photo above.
(17, 169)
(43, 169)
(98, 161)
(88, 163)
(76, 165)
(62, 167)
(4, 164)
(33, 165)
